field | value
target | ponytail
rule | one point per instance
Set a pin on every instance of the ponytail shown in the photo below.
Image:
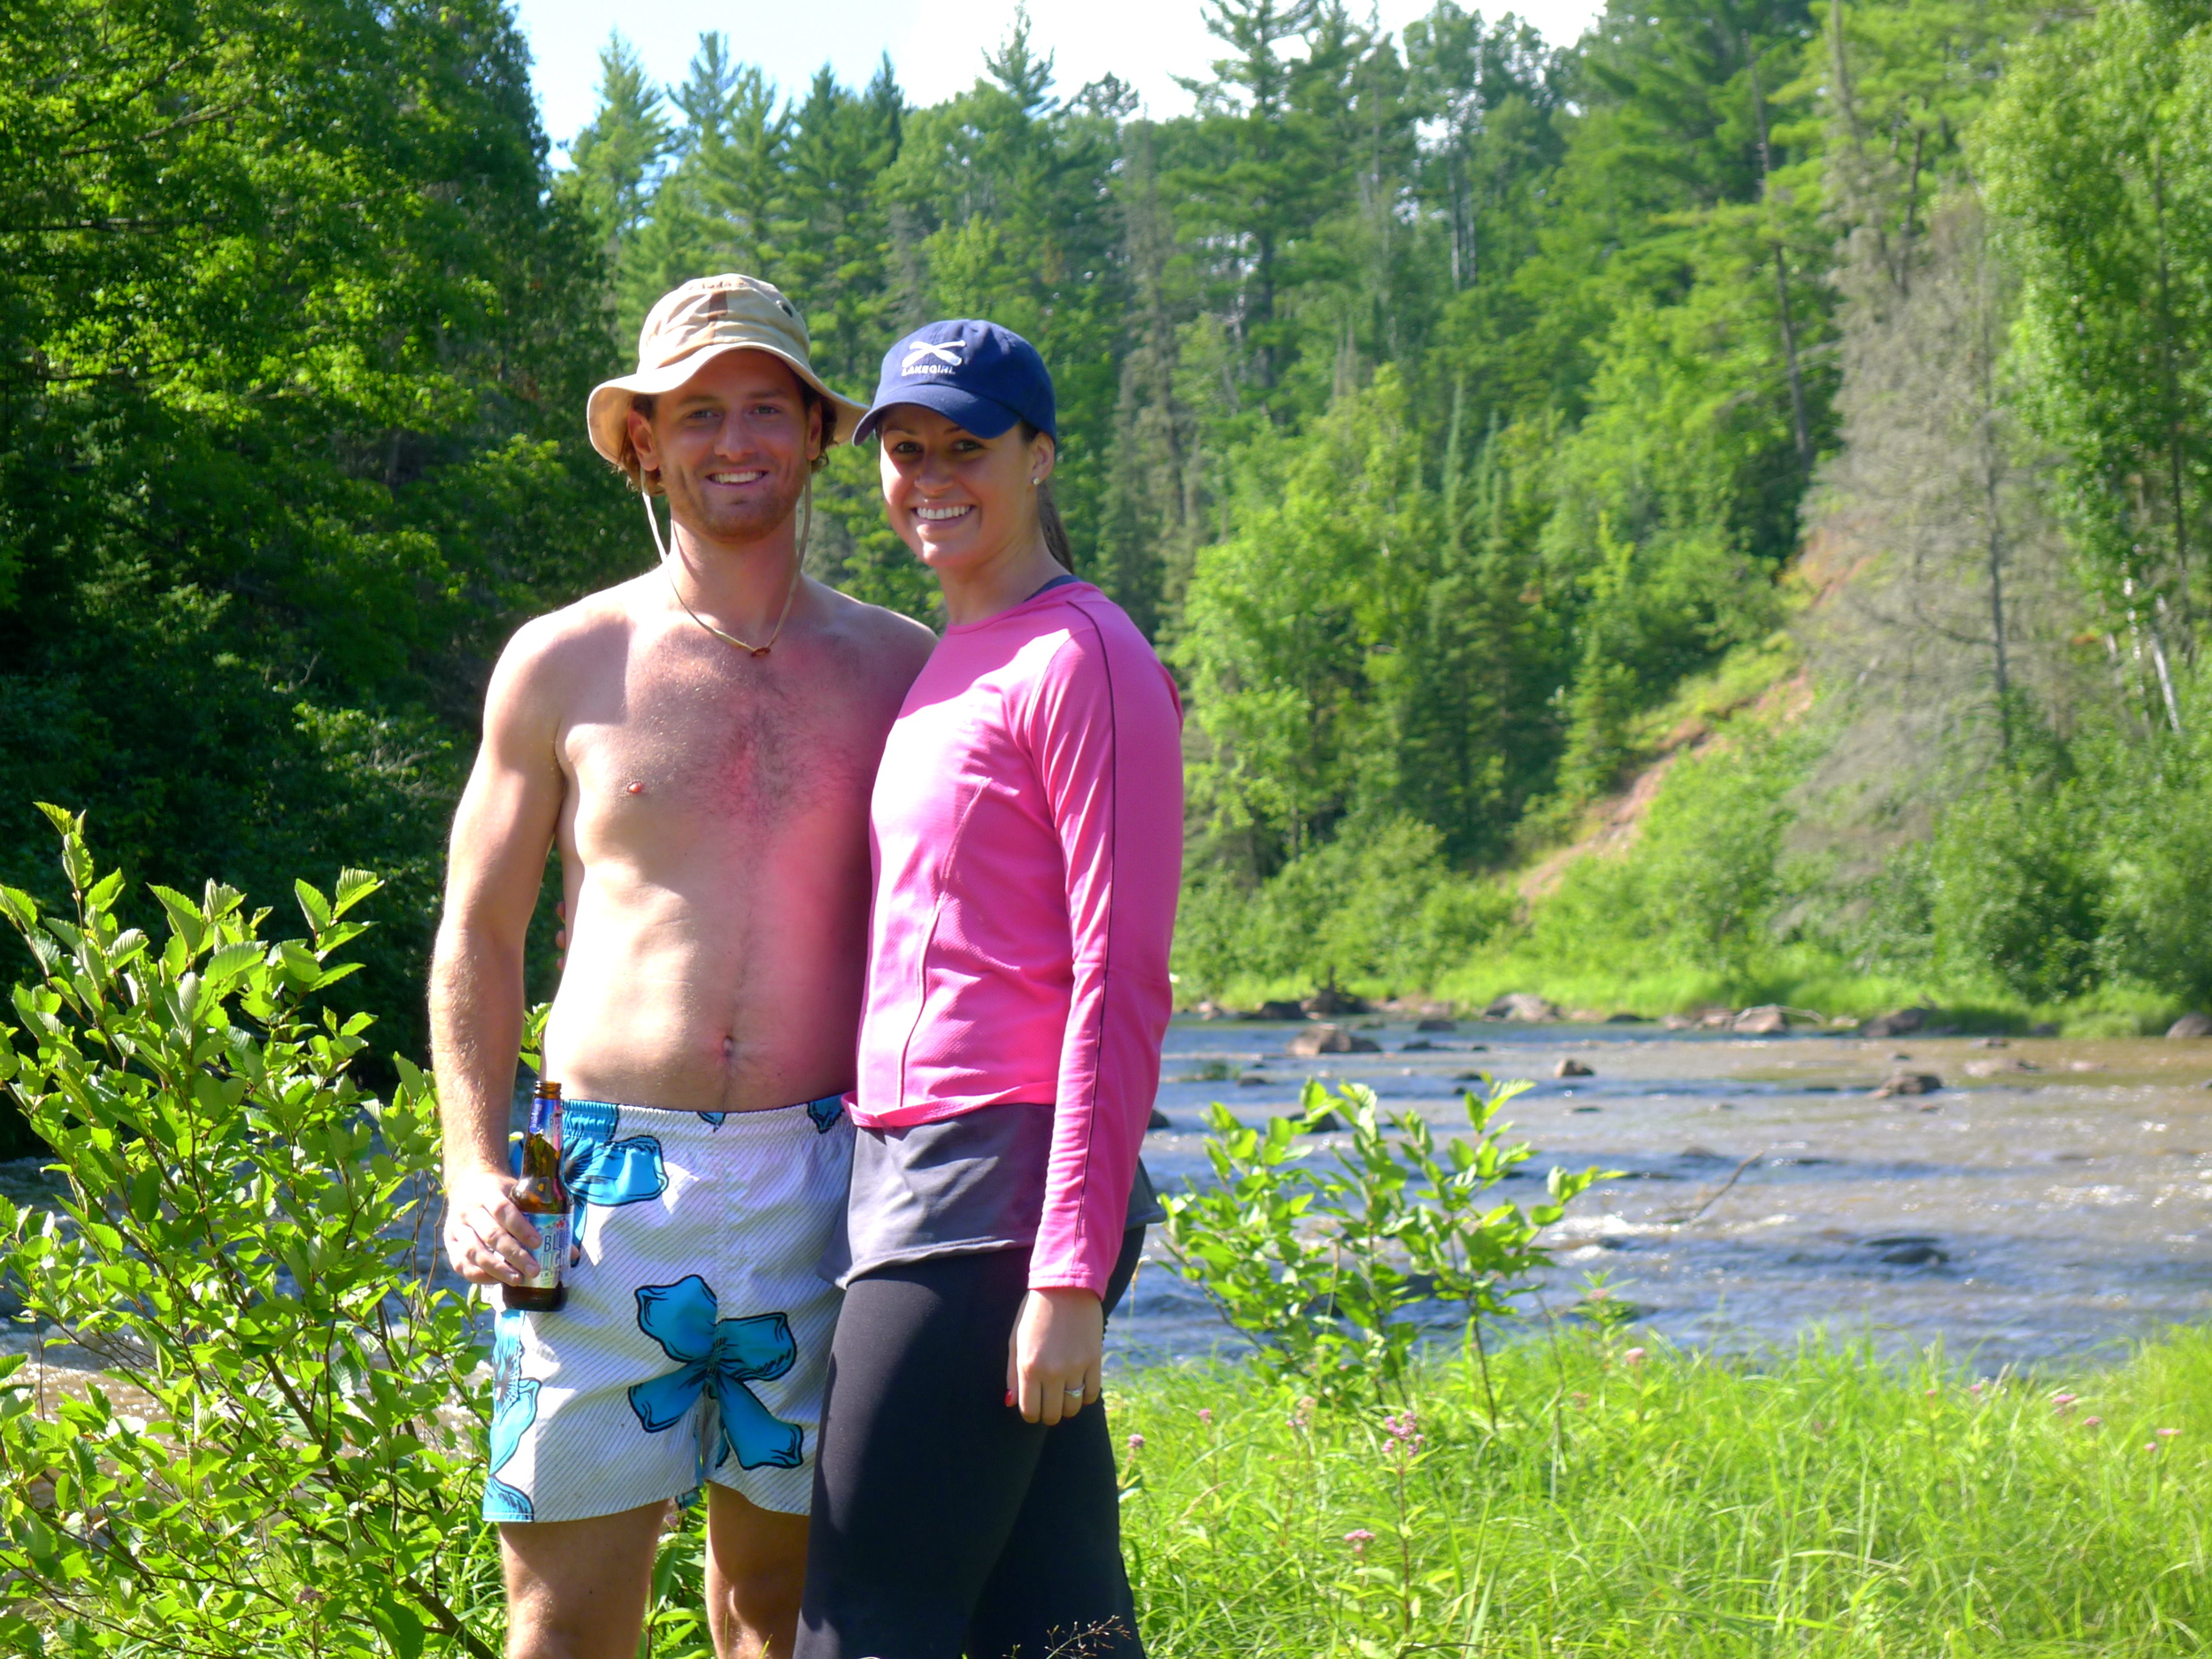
(1049, 520)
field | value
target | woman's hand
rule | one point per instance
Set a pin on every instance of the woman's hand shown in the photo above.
(1054, 1357)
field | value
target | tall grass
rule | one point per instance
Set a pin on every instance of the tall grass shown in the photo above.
(1642, 1503)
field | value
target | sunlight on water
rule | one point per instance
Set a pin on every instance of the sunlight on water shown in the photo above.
(2051, 1197)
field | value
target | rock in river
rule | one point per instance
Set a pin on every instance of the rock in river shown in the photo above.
(1278, 1010)
(1160, 1120)
(1764, 1021)
(1521, 1005)
(1572, 1067)
(1896, 1024)
(1332, 1040)
(2191, 1025)
(1328, 1000)
(1909, 1083)
(1435, 1022)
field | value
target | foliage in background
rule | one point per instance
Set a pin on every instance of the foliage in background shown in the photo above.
(1318, 1263)
(285, 1453)
(293, 350)
(1442, 402)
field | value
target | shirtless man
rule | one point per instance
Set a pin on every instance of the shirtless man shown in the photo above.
(700, 742)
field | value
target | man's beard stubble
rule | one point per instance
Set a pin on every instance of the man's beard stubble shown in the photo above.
(738, 521)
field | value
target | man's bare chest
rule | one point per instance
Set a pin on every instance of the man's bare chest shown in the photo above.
(731, 744)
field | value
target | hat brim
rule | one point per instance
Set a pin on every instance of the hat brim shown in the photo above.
(986, 417)
(609, 405)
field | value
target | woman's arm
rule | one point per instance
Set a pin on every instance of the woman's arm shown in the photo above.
(1104, 732)
(1106, 739)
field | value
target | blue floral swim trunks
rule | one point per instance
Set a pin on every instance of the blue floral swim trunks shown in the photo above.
(695, 1340)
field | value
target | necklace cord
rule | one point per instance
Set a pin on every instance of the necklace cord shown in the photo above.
(806, 535)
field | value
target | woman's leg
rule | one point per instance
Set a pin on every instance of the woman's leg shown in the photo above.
(922, 1466)
(1059, 1586)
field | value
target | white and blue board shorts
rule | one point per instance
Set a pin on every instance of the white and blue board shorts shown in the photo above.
(695, 1340)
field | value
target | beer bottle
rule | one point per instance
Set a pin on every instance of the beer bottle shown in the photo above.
(541, 1195)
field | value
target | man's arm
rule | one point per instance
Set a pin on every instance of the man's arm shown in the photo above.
(501, 834)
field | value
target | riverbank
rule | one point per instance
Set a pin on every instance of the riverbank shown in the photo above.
(1634, 1500)
(1806, 980)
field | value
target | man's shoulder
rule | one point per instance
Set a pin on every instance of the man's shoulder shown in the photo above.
(556, 644)
(873, 628)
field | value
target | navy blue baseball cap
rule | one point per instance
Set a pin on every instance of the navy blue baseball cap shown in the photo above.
(982, 376)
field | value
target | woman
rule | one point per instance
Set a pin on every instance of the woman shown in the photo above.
(1027, 830)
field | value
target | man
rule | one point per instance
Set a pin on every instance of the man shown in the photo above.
(700, 743)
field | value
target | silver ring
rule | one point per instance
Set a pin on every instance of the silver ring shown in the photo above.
(1076, 1390)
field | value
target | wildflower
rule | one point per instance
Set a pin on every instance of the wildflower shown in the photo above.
(2150, 1446)
(1205, 1415)
(1580, 1400)
(2092, 1423)
(1634, 1357)
(2168, 1433)
(1974, 1388)
(2064, 1402)
(1359, 1537)
(1136, 1442)
(1303, 1418)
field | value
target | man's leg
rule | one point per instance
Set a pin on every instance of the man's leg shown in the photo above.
(756, 1569)
(576, 1589)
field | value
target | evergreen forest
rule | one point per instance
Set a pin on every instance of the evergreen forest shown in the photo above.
(1721, 509)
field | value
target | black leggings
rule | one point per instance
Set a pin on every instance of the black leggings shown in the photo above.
(943, 1523)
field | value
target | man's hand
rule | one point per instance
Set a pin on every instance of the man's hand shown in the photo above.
(486, 1239)
(1054, 1357)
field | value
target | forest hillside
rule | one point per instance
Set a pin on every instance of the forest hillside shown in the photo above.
(1798, 416)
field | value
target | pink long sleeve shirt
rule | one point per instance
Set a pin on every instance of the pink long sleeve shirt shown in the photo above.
(1027, 835)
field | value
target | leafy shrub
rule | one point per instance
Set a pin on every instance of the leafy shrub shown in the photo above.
(1376, 903)
(1701, 884)
(2019, 889)
(1316, 1265)
(2154, 807)
(245, 1241)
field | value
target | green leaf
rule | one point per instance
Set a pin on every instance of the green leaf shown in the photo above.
(20, 907)
(399, 1625)
(313, 905)
(353, 887)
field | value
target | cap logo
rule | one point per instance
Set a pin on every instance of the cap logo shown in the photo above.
(931, 359)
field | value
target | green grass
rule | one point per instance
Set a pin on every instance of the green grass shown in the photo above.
(1821, 1502)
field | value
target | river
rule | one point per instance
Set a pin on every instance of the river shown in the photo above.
(2054, 1205)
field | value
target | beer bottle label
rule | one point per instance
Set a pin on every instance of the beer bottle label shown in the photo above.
(551, 1254)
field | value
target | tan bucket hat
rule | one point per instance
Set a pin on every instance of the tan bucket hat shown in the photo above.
(692, 325)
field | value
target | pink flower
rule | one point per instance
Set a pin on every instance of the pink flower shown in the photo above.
(1974, 1388)
(2150, 1446)
(1359, 1537)
(2092, 1423)
(2060, 1403)
(1634, 1357)
(1205, 1415)
(1136, 1442)
(2168, 1433)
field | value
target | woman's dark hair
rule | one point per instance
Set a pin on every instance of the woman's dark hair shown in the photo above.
(1049, 513)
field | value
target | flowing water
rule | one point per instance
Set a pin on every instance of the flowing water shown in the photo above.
(2053, 1196)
